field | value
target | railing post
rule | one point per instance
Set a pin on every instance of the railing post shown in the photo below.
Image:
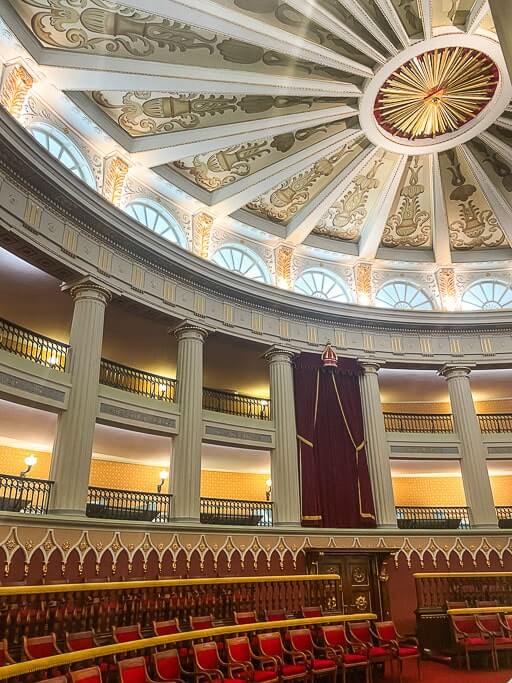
(185, 479)
(475, 475)
(72, 451)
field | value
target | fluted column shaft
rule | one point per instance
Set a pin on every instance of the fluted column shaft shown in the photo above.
(284, 461)
(72, 451)
(475, 476)
(186, 474)
(377, 446)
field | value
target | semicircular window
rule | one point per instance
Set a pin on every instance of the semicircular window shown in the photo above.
(64, 150)
(403, 296)
(488, 295)
(242, 260)
(157, 219)
(322, 284)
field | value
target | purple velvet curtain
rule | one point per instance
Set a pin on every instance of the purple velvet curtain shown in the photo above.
(335, 483)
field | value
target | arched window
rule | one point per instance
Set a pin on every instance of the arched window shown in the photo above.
(321, 284)
(238, 258)
(157, 219)
(488, 295)
(61, 147)
(403, 296)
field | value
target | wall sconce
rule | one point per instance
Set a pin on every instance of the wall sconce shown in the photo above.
(268, 492)
(30, 461)
(263, 405)
(164, 474)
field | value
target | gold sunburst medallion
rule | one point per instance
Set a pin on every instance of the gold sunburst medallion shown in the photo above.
(436, 93)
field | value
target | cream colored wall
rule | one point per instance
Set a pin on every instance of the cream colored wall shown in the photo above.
(233, 485)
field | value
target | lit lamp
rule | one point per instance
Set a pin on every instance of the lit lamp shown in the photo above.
(163, 476)
(263, 404)
(269, 489)
(30, 461)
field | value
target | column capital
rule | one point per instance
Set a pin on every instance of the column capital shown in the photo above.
(188, 329)
(87, 288)
(450, 371)
(370, 366)
(278, 354)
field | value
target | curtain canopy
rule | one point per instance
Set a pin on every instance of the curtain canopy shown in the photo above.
(335, 483)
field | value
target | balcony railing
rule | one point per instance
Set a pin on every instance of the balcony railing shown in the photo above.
(412, 422)
(416, 517)
(236, 404)
(35, 347)
(236, 512)
(504, 514)
(138, 382)
(135, 506)
(19, 494)
(495, 424)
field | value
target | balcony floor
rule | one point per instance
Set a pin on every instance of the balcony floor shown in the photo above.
(434, 672)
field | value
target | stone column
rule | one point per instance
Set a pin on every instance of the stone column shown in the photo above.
(475, 476)
(186, 474)
(72, 451)
(284, 461)
(377, 446)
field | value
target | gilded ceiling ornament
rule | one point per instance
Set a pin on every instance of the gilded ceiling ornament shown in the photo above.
(345, 218)
(293, 193)
(475, 227)
(410, 225)
(436, 93)
(500, 167)
(361, 603)
(283, 255)
(447, 287)
(363, 282)
(233, 161)
(16, 84)
(114, 28)
(201, 230)
(113, 182)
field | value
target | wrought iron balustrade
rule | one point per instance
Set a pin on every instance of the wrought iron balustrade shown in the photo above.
(236, 512)
(495, 424)
(439, 517)
(412, 422)
(135, 506)
(236, 404)
(137, 381)
(35, 347)
(22, 494)
(504, 515)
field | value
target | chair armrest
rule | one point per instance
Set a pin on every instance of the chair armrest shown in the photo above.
(211, 674)
(266, 659)
(297, 655)
(504, 625)
(245, 667)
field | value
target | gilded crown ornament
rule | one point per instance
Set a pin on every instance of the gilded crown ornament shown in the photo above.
(329, 357)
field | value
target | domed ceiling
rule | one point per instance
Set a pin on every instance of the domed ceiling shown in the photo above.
(371, 129)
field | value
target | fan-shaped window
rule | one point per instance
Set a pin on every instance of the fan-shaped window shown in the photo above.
(157, 219)
(488, 295)
(403, 296)
(242, 260)
(61, 147)
(321, 284)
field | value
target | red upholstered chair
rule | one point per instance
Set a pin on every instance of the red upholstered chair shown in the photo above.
(84, 640)
(124, 634)
(311, 612)
(335, 638)
(5, 657)
(167, 628)
(493, 627)
(208, 665)
(257, 668)
(41, 646)
(275, 615)
(133, 670)
(361, 633)
(402, 647)
(321, 661)
(167, 666)
(90, 675)
(470, 638)
(198, 623)
(245, 617)
(271, 645)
